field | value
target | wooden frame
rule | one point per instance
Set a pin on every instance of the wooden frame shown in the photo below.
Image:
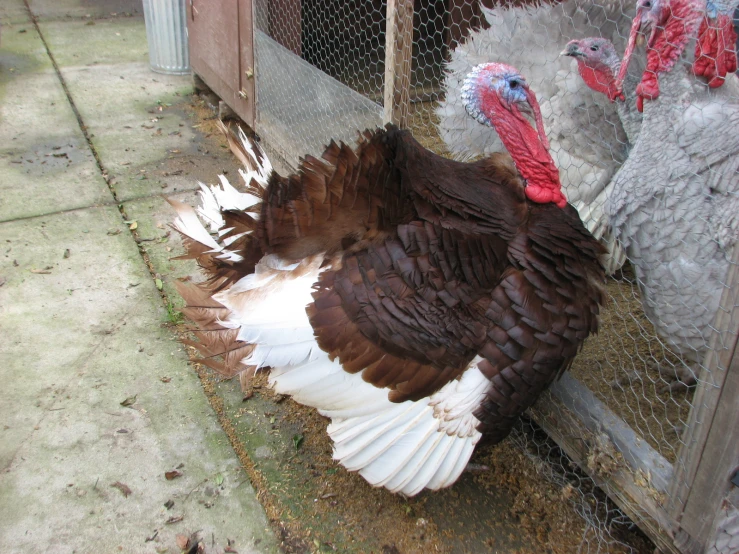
(398, 58)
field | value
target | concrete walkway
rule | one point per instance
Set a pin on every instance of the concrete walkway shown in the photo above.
(99, 401)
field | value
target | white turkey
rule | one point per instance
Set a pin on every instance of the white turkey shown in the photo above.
(416, 301)
(675, 202)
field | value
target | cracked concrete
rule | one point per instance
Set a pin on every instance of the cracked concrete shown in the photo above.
(100, 401)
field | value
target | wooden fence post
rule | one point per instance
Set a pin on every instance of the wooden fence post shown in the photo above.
(709, 454)
(398, 54)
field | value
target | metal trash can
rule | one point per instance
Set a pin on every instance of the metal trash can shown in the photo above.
(166, 33)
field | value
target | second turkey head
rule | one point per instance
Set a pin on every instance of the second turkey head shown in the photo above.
(598, 64)
(668, 26)
(498, 96)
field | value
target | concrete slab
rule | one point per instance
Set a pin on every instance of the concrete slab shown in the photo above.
(83, 468)
(12, 11)
(133, 115)
(45, 163)
(133, 121)
(80, 43)
(57, 9)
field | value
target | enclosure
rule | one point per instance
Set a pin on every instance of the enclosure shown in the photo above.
(304, 72)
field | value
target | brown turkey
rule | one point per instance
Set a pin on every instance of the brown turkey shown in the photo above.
(416, 301)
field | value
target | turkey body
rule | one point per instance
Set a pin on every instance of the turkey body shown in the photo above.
(674, 206)
(418, 302)
(587, 138)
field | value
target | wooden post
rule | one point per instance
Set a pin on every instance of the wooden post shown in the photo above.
(398, 54)
(710, 451)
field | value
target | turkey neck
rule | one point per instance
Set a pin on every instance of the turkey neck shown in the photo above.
(529, 149)
(631, 118)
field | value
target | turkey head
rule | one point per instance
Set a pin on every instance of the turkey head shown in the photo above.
(496, 95)
(598, 64)
(670, 24)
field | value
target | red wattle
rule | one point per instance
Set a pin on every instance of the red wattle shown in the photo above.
(648, 88)
(542, 195)
(527, 146)
(666, 44)
(600, 79)
(715, 50)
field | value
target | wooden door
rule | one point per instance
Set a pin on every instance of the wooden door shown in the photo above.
(221, 38)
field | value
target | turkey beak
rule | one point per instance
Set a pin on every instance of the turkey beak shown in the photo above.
(572, 50)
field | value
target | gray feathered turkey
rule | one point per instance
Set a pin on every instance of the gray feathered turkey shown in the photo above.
(675, 201)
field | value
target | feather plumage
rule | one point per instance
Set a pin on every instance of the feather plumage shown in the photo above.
(401, 294)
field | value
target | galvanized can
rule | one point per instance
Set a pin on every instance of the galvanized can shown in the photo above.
(166, 32)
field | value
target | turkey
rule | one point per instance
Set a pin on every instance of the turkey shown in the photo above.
(598, 64)
(416, 301)
(674, 204)
(587, 139)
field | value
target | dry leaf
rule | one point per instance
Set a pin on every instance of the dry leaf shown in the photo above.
(174, 474)
(165, 379)
(129, 401)
(121, 487)
(174, 519)
(41, 271)
(134, 225)
(182, 541)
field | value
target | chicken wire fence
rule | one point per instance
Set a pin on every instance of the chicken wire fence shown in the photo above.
(328, 68)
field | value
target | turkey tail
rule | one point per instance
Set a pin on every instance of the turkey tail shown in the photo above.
(230, 249)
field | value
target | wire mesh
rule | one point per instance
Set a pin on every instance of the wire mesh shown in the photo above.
(660, 193)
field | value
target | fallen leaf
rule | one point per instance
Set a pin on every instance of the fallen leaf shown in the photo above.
(219, 479)
(297, 441)
(168, 504)
(114, 232)
(41, 271)
(66, 254)
(165, 379)
(174, 519)
(129, 401)
(174, 474)
(121, 487)
(134, 225)
(329, 495)
(158, 283)
(182, 541)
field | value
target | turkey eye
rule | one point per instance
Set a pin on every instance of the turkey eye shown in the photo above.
(514, 83)
(647, 5)
(594, 48)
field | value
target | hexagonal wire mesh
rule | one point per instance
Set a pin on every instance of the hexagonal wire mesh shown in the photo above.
(665, 187)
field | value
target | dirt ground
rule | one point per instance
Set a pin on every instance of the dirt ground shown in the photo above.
(511, 500)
